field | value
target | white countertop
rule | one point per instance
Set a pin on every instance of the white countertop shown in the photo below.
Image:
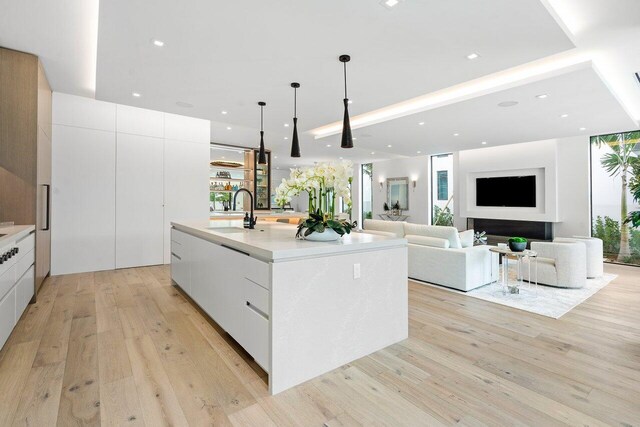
(276, 241)
(259, 214)
(15, 232)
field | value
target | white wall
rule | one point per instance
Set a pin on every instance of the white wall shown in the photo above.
(120, 174)
(562, 166)
(413, 168)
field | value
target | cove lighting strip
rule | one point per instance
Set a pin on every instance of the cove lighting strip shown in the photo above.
(545, 68)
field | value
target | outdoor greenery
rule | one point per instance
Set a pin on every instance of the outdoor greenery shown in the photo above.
(368, 215)
(442, 216)
(622, 161)
(609, 231)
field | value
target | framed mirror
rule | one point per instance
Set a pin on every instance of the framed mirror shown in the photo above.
(398, 191)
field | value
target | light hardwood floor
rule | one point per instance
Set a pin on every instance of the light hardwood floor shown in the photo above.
(125, 348)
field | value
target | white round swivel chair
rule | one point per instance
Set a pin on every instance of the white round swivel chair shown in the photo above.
(593, 247)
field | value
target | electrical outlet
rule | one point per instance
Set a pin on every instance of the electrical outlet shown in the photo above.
(356, 271)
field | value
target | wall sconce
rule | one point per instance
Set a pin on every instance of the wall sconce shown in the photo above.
(414, 181)
(381, 183)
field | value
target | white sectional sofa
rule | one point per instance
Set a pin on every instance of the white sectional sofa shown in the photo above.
(441, 255)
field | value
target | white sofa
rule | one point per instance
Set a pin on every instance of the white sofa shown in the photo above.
(559, 264)
(593, 246)
(439, 255)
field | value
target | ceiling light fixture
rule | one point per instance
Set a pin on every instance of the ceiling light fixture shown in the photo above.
(373, 152)
(390, 3)
(347, 138)
(223, 112)
(286, 137)
(583, 128)
(262, 156)
(421, 123)
(389, 146)
(158, 43)
(295, 144)
(564, 116)
(473, 56)
(484, 143)
(328, 145)
(508, 104)
(542, 96)
(418, 152)
(136, 95)
(228, 127)
(456, 134)
(286, 125)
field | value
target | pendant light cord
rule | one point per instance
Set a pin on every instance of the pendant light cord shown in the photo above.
(345, 80)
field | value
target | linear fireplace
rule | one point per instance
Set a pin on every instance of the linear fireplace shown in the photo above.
(499, 230)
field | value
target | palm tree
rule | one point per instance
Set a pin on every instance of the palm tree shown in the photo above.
(620, 162)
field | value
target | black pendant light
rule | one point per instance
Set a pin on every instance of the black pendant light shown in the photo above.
(262, 156)
(347, 138)
(295, 145)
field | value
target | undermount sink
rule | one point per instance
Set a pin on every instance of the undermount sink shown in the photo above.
(227, 230)
(2, 235)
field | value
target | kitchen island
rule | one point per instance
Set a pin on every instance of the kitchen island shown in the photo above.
(300, 308)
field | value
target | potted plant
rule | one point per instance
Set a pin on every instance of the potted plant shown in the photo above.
(324, 183)
(517, 244)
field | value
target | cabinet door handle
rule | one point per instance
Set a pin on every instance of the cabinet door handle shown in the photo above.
(257, 310)
(46, 205)
(176, 256)
(236, 250)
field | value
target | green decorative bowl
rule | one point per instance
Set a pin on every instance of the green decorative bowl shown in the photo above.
(517, 244)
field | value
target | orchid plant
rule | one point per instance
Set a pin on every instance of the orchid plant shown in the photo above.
(324, 183)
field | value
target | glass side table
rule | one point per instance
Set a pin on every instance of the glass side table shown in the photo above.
(513, 287)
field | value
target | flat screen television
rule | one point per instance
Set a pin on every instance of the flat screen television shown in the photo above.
(506, 191)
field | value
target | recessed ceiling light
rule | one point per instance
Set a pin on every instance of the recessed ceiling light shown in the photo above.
(564, 116)
(341, 158)
(456, 134)
(275, 157)
(484, 143)
(286, 125)
(355, 139)
(390, 3)
(135, 94)
(508, 103)
(389, 146)
(473, 56)
(295, 166)
(223, 112)
(421, 123)
(277, 167)
(228, 127)
(223, 157)
(418, 152)
(583, 128)
(542, 96)
(373, 152)
(328, 145)
(158, 43)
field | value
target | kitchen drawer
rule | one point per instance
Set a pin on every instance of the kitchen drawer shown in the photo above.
(258, 272)
(26, 244)
(180, 273)
(255, 336)
(24, 291)
(8, 279)
(179, 237)
(6, 265)
(25, 262)
(7, 315)
(256, 296)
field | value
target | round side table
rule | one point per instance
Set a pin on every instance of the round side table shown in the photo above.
(505, 254)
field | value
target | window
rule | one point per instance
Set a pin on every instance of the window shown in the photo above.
(366, 175)
(442, 189)
(443, 185)
(615, 195)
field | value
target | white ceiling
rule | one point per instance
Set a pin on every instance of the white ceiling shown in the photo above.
(228, 55)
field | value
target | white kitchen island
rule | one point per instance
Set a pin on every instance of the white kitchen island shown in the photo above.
(300, 308)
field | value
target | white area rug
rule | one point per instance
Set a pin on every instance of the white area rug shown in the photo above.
(545, 300)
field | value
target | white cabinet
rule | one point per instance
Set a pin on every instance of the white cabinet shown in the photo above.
(186, 184)
(139, 201)
(230, 286)
(114, 210)
(7, 315)
(17, 283)
(82, 212)
(24, 291)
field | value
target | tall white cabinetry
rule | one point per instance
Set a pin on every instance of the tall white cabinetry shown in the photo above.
(120, 175)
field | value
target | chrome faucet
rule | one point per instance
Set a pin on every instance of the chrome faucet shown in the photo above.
(252, 220)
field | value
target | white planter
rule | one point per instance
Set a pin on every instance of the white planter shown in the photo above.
(328, 235)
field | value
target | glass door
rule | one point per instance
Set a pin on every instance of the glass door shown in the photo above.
(262, 183)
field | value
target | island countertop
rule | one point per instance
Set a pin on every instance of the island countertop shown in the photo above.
(276, 242)
(14, 232)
